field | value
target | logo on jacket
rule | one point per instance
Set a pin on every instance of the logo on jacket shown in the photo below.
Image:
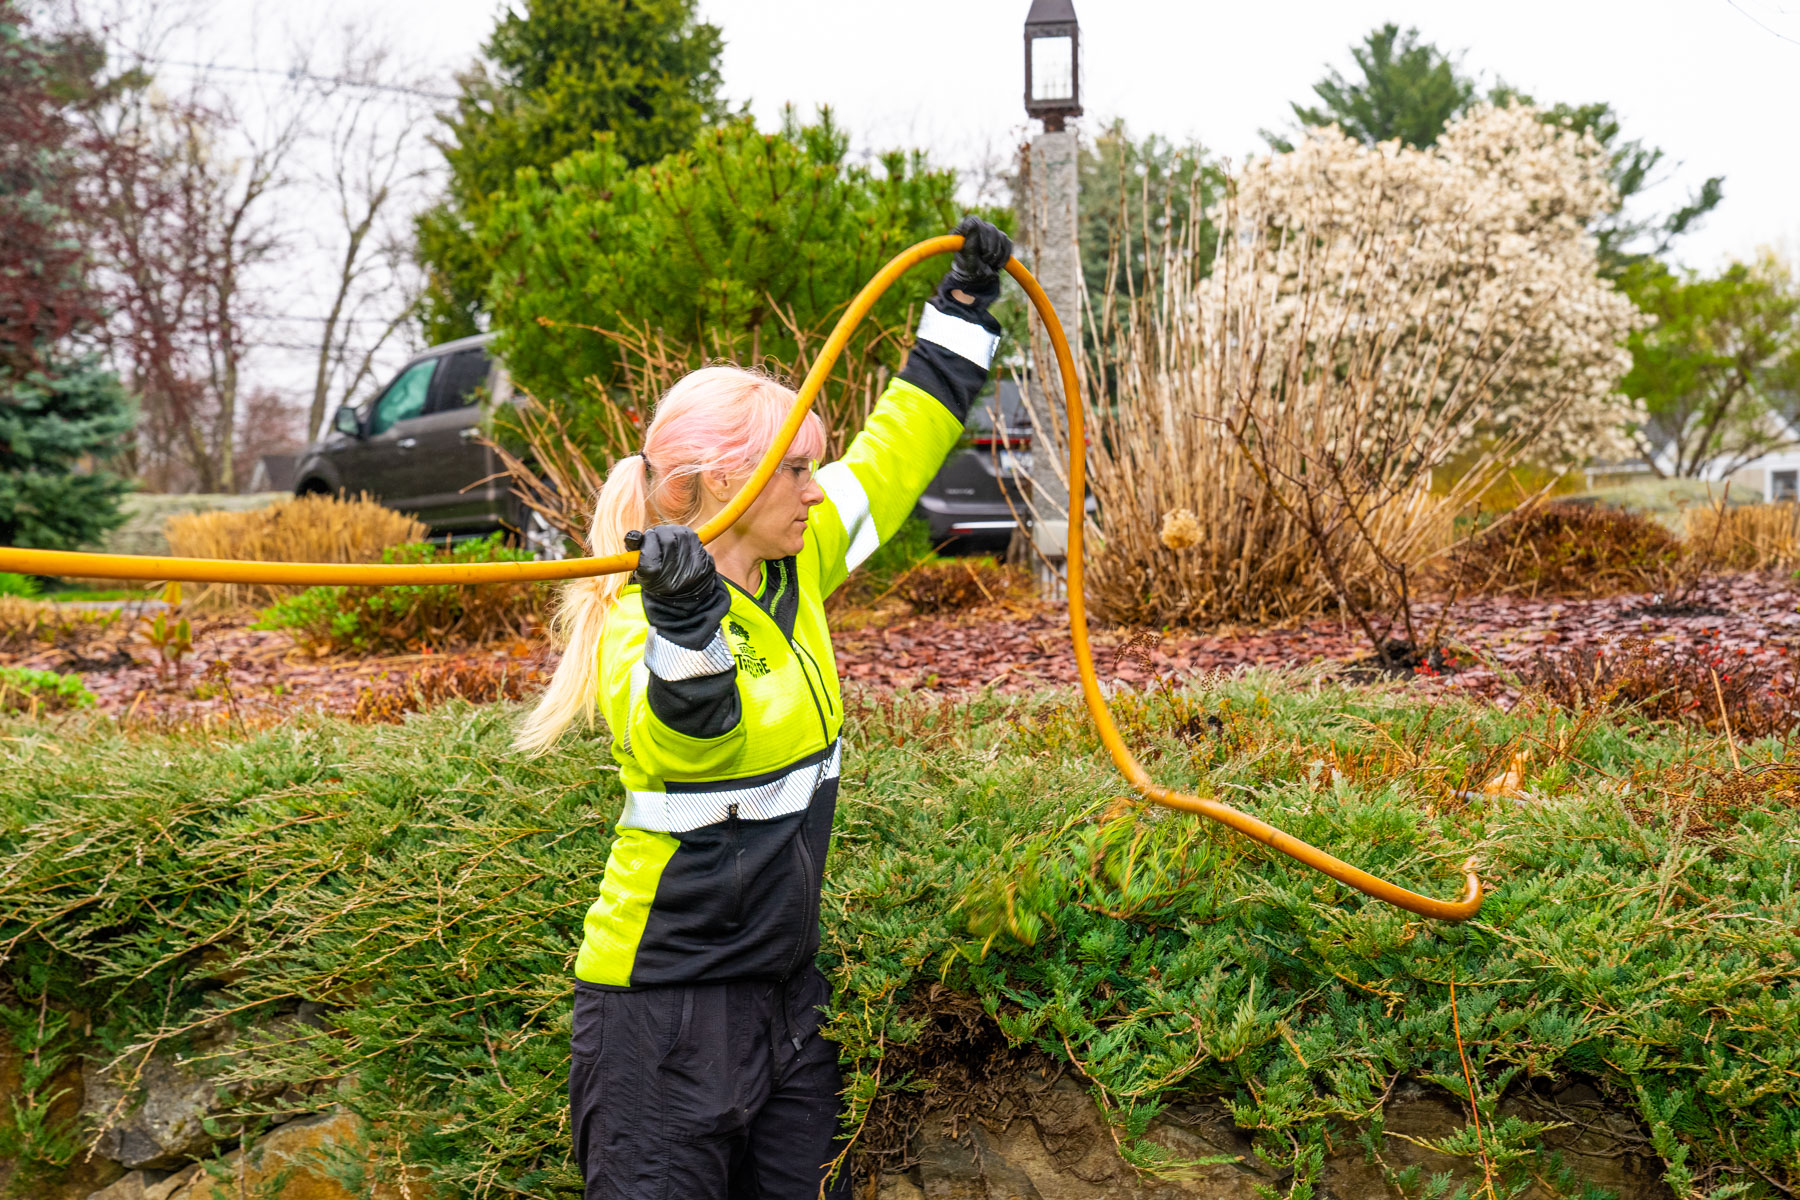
(749, 662)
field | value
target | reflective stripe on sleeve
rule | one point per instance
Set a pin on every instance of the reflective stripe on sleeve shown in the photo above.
(788, 792)
(840, 483)
(672, 663)
(965, 339)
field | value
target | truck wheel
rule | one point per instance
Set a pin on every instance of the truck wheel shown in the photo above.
(545, 542)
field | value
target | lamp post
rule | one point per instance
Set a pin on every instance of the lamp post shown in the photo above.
(1048, 230)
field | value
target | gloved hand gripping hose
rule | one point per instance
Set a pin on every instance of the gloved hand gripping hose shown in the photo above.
(204, 570)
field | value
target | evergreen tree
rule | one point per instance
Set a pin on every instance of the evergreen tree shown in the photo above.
(1408, 89)
(53, 422)
(60, 411)
(554, 76)
(760, 241)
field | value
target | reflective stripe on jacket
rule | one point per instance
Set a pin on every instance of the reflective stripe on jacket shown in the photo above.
(729, 755)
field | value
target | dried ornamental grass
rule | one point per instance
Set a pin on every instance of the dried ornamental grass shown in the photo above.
(1750, 537)
(311, 528)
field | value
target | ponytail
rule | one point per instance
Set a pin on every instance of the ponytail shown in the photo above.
(580, 619)
(718, 418)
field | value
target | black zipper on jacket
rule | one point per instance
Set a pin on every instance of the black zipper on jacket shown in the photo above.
(806, 858)
(737, 865)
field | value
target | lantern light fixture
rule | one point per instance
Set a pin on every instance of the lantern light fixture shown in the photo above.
(1052, 63)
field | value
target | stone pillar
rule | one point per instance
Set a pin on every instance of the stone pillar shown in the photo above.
(1048, 233)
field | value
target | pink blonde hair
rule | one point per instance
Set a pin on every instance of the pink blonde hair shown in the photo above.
(720, 418)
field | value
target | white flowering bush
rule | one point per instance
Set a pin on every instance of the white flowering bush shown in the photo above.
(1369, 315)
(1477, 245)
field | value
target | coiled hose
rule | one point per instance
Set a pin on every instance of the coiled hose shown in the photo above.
(204, 570)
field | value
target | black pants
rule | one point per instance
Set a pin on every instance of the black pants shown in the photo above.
(721, 1091)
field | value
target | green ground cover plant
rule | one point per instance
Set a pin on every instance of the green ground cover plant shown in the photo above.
(25, 690)
(410, 617)
(425, 886)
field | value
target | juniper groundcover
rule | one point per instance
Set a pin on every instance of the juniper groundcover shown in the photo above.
(422, 887)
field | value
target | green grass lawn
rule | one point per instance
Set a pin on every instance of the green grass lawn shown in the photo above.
(426, 885)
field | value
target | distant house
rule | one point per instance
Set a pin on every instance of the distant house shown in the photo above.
(1774, 475)
(273, 473)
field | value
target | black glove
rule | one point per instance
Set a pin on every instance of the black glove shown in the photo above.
(684, 597)
(975, 272)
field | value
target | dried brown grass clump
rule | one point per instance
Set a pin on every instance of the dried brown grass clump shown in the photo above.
(314, 528)
(1561, 549)
(1696, 683)
(952, 585)
(478, 681)
(1750, 537)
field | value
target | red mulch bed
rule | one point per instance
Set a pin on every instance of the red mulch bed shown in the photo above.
(1499, 634)
(1011, 649)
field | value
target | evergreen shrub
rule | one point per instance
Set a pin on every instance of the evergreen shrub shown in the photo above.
(425, 886)
(24, 587)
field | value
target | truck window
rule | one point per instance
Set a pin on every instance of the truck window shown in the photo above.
(405, 397)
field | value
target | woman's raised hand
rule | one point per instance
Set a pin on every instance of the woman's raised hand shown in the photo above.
(977, 266)
(680, 583)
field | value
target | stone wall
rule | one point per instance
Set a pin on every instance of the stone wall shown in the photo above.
(160, 1136)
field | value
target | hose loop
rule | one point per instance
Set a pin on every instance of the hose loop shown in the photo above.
(205, 570)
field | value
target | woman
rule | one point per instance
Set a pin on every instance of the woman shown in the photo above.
(697, 1066)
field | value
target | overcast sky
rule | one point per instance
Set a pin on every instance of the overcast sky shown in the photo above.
(1715, 83)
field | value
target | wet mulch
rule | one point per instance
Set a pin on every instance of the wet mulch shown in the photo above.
(1011, 648)
(1488, 640)
(252, 676)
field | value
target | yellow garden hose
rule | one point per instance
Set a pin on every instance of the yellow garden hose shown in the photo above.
(206, 570)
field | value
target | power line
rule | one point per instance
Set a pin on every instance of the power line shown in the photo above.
(346, 320)
(295, 75)
(1760, 25)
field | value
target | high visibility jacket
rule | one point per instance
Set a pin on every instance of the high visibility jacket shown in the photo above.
(729, 755)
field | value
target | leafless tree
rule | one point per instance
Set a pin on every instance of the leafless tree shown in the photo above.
(186, 223)
(372, 171)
